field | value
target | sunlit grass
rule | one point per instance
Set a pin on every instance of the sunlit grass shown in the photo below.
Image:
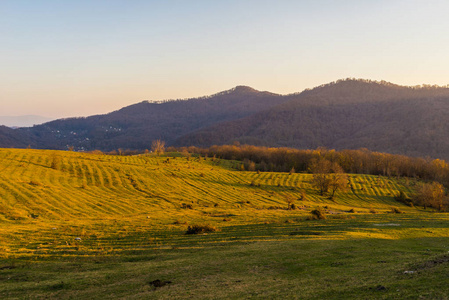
(113, 222)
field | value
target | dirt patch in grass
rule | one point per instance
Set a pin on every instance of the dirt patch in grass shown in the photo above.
(9, 267)
(222, 215)
(306, 233)
(159, 283)
(432, 263)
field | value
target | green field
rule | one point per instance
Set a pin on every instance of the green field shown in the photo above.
(91, 226)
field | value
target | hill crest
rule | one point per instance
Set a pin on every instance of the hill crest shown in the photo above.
(349, 113)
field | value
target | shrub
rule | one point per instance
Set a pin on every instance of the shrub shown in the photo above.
(396, 210)
(318, 214)
(186, 206)
(197, 229)
(303, 195)
(56, 162)
(290, 203)
(402, 198)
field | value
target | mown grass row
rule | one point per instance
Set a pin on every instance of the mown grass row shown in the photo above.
(45, 206)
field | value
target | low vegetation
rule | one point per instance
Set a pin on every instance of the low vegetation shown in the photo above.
(318, 214)
(103, 226)
(198, 229)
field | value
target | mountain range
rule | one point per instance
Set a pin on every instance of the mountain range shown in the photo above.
(346, 114)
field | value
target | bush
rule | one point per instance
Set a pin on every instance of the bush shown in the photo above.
(197, 229)
(396, 210)
(290, 203)
(56, 162)
(186, 206)
(402, 198)
(318, 214)
(303, 196)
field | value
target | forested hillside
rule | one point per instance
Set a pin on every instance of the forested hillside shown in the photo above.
(350, 114)
(347, 114)
(13, 138)
(136, 126)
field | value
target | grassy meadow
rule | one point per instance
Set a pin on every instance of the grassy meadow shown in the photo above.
(92, 226)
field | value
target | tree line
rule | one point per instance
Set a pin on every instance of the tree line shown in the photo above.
(329, 167)
(362, 161)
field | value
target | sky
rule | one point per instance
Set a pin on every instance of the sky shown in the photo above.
(78, 58)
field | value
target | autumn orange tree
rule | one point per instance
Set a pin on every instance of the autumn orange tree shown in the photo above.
(431, 195)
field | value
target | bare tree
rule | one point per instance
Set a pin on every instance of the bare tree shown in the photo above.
(338, 180)
(328, 176)
(321, 169)
(158, 147)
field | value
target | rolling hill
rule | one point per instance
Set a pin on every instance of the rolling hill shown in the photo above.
(350, 114)
(45, 189)
(136, 126)
(91, 226)
(347, 114)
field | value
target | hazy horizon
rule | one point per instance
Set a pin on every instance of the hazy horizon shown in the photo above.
(68, 59)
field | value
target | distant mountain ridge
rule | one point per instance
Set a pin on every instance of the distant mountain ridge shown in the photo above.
(346, 114)
(136, 126)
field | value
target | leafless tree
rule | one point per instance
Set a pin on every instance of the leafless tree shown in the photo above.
(158, 147)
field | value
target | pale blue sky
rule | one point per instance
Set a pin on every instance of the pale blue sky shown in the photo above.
(74, 58)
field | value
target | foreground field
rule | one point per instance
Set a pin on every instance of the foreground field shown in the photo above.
(93, 226)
